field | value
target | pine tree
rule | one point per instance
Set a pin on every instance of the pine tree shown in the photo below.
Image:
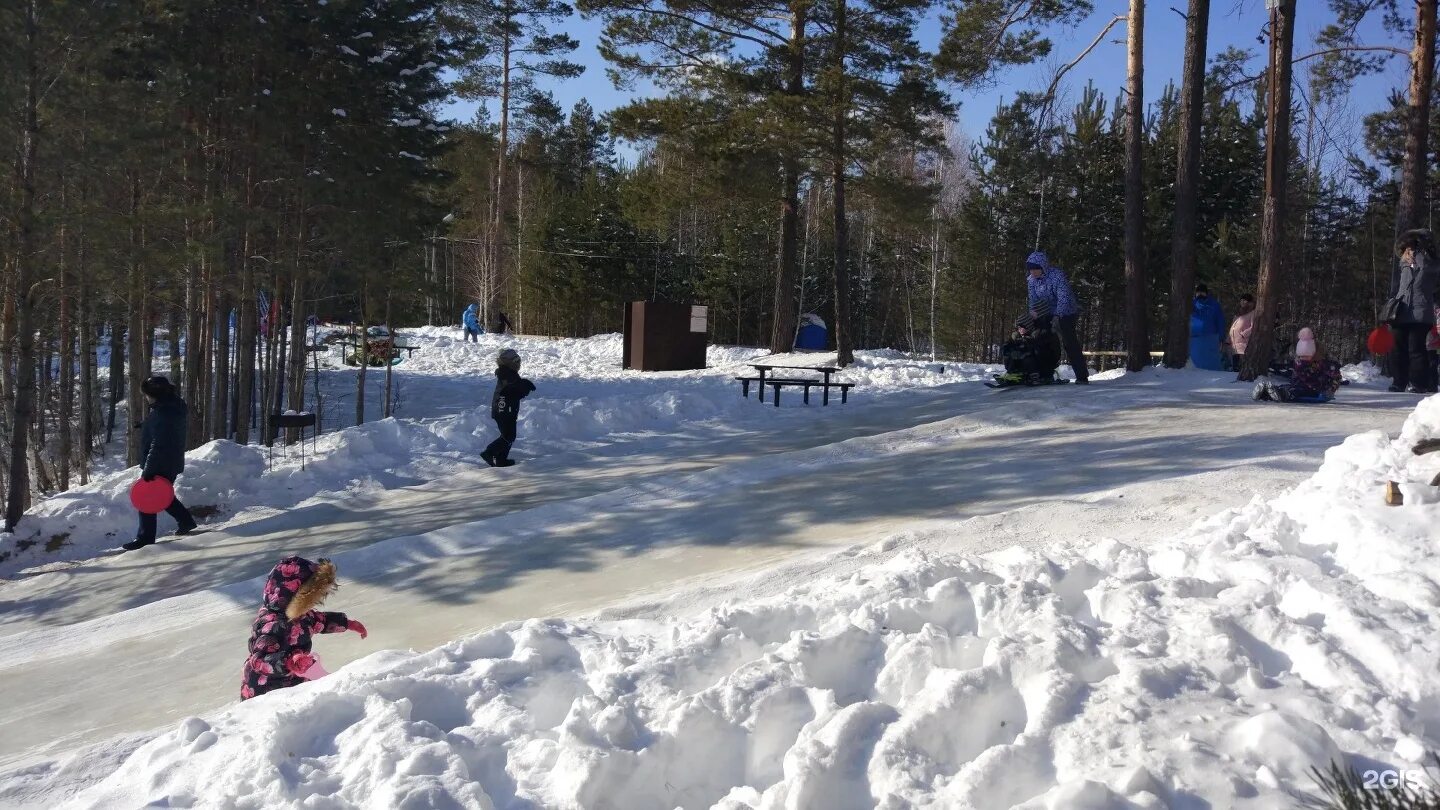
(1137, 312)
(1271, 285)
(1184, 249)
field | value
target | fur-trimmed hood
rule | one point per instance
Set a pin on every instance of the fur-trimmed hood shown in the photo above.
(297, 585)
(1420, 238)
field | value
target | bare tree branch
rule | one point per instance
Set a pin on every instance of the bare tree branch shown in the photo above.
(1352, 49)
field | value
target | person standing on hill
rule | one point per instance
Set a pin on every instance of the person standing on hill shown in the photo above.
(503, 325)
(1414, 312)
(1207, 324)
(1047, 284)
(1240, 330)
(162, 454)
(510, 388)
(471, 322)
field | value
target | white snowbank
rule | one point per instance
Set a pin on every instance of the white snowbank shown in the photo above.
(584, 397)
(1220, 665)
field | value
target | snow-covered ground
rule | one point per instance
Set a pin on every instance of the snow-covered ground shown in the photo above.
(938, 595)
(584, 399)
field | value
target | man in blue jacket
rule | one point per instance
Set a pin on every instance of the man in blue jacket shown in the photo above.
(1207, 324)
(1047, 285)
(471, 321)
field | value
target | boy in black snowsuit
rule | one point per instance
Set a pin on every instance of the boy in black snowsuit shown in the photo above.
(510, 388)
(1033, 353)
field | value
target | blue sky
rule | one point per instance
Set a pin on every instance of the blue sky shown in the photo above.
(1233, 23)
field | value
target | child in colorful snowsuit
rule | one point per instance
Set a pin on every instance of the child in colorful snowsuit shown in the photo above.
(1313, 378)
(280, 635)
(510, 388)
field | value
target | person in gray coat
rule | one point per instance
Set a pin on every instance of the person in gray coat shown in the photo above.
(162, 454)
(1415, 313)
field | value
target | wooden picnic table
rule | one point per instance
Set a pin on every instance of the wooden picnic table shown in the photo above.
(372, 346)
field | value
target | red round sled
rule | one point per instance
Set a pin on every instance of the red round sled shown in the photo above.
(151, 497)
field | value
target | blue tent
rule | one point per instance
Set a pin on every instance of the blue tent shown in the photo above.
(812, 334)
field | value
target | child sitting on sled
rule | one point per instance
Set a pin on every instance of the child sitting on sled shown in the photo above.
(280, 653)
(1033, 353)
(1313, 378)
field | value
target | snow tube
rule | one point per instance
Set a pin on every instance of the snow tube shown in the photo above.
(1205, 352)
(152, 497)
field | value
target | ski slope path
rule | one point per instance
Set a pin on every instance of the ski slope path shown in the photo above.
(581, 532)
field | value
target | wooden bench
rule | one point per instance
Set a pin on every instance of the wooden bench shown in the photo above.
(806, 385)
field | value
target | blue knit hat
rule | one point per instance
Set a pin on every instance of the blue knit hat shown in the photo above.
(1038, 259)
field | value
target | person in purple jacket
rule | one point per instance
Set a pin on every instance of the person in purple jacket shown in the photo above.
(1048, 284)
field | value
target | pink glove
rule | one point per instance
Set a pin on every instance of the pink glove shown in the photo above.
(357, 627)
(299, 662)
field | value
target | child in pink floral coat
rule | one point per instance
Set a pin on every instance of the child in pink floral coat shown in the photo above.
(280, 636)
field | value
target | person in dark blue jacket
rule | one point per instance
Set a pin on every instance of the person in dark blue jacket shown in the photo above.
(1207, 325)
(162, 454)
(471, 322)
(510, 388)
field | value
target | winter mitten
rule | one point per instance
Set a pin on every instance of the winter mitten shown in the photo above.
(299, 662)
(357, 627)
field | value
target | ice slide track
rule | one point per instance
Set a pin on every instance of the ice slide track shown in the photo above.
(659, 532)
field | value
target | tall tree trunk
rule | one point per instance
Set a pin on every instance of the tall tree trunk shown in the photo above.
(1271, 284)
(67, 365)
(1137, 308)
(172, 329)
(135, 335)
(782, 333)
(1187, 186)
(245, 346)
(117, 375)
(221, 409)
(197, 340)
(844, 339)
(88, 370)
(389, 366)
(1411, 208)
(18, 490)
(497, 226)
(362, 352)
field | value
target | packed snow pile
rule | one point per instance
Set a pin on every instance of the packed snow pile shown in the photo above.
(1211, 669)
(584, 398)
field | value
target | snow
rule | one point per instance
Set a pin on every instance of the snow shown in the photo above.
(1219, 664)
(1140, 594)
(584, 397)
(349, 51)
(339, 112)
